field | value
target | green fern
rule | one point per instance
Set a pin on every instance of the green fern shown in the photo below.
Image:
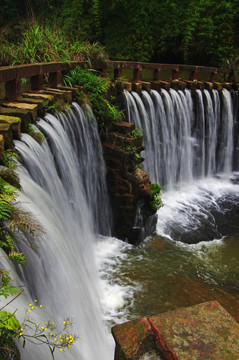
(6, 208)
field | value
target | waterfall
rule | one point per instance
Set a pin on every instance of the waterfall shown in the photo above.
(63, 187)
(188, 135)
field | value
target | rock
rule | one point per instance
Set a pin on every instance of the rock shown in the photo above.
(128, 184)
(204, 331)
(133, 339)
(124, 127)
(6, 132)
(23, 114)
(14, 122)
(32, 108)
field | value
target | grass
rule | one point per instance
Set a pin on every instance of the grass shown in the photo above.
(37, 43)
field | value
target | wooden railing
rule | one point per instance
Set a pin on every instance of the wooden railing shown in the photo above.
(12, 75)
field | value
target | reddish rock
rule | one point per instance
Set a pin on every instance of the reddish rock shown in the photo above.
(133, 339)
(201, 332)
(204, 331)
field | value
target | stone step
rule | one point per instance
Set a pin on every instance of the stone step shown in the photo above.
(39, 96)
(23, 114)
(39, 102)
(6, 132)
(59, 94)
(205, 331)
(32, 108)
(15, 124)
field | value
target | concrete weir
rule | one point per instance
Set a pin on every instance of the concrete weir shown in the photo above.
(15, 116)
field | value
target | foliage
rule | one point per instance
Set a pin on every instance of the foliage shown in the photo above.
(159, 31)
(9, 158)
(96, 90)
(136, 133)
(41, 44)
(156, 201)
(12, 220)
(91, 53)
(5, 288)
(47, 333)
(133, 150)
(35, 133)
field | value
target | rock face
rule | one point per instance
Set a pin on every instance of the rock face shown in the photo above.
(128, 184)
(204, 331)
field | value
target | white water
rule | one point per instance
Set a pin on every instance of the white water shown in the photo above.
(187, 136)
(62, 183)
(64, 278)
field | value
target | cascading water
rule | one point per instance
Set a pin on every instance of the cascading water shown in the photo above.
(63, 187)
(187, 136)
(191, 149)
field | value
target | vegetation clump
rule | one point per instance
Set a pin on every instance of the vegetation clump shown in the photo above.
(156, 202)
(95, 88)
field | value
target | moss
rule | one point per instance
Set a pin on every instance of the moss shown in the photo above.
(10, 176)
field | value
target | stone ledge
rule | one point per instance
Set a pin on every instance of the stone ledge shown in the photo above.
(204, 331)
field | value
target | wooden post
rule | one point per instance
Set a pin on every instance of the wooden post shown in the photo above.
(13, 89)
(214, 76)
(54, 78)
(137, 76)
(118, 72)
(175, 74)
(157, 74)
(194, 74)
(37, 82)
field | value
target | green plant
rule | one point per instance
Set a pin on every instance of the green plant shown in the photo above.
(37, 135)
(136, 133)
(133, 150)
(96, 90)
(39, 334)
(156, 201)
(41, 44)
(9, 158)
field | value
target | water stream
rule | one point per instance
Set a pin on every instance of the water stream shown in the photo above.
(63, 187)
(192, 147)
(191, 141)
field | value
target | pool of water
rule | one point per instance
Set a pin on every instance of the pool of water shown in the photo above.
(163, 273)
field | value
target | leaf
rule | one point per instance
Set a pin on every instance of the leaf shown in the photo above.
(9, 323)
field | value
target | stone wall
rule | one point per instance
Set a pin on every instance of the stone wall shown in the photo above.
(128, 184)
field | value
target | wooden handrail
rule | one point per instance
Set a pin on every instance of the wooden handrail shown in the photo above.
(11, 75)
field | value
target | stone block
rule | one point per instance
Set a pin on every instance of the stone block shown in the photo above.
(24, 115)
(15, 124)
(59, 94)
(32, 108)
(40, 105)
(204, 331)
(39, 96)
(124, 127)
(137, 87)
(146, 85)
(6, 132)
(133, 339)
(208, 85)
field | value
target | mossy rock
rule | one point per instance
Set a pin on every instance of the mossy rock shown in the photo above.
(24, 115)
(14, 122)
(5, 130)
(10, 176)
